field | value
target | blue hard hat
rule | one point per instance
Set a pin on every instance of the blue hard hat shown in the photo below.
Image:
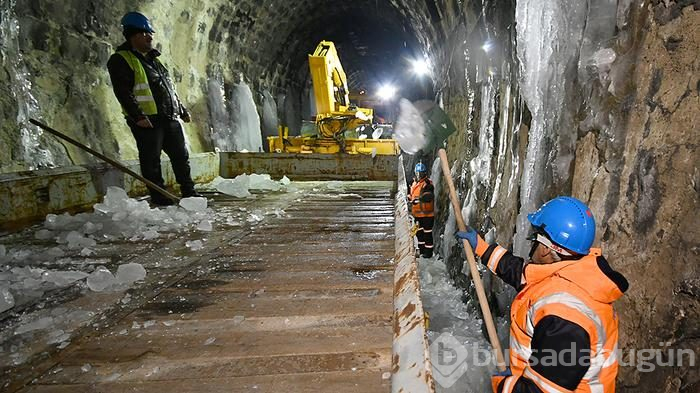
(420, 167)
(136, 20)
(568, 222)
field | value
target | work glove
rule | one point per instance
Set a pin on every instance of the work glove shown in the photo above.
(498, 377)
(469, 235)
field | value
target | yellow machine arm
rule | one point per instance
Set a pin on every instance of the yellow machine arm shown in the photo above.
(335, 114)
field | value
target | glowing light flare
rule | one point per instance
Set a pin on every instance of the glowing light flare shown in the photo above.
(386, 92)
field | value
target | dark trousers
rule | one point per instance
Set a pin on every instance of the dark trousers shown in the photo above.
(167, 135)
(425, 236)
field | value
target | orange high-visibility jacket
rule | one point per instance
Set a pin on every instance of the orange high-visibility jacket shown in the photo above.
(422, 191)
(559, 301)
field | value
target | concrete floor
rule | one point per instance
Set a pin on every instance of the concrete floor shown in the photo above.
(299, 303)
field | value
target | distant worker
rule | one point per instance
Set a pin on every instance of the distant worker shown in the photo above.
(563, 334)
(421, 200)
(151, 106)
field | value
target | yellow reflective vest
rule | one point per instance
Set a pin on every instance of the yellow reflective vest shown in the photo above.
(142, 91)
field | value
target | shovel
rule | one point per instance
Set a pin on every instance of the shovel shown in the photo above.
(480, 293)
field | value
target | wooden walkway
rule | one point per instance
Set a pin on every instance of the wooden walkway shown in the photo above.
(298, 303)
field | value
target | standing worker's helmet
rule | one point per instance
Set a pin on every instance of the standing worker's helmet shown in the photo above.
(421, 170)
(136, 21)
(567, 222)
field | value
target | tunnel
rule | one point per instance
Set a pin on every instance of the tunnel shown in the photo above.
(595, 99)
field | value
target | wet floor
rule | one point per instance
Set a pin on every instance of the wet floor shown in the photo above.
(300, 301)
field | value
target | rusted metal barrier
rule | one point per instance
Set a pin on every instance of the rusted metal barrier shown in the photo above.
(411, 370)
(31, 195)
(302, 167)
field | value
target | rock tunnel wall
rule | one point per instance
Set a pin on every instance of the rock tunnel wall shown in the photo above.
(612, 120)
(616, 132)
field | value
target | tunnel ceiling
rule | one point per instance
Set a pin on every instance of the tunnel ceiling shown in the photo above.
(375, 41)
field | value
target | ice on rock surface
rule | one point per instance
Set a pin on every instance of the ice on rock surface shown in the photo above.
(101, 279)
(129, 273)
(194, 204)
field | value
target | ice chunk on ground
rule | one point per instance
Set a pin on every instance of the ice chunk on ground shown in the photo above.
(285, 181)
(194, 245)
(194, 204)
(43, 234)
(76, 240)
(210, 341)
(41, 323)
(130, 272)
(63, 278)
(7, 301)
(101, 279)
(237, 187)
(205, 226)
(263, 183)
(86, 367)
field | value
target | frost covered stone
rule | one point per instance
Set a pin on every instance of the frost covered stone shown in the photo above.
(101, 279)
(194, 204)
(130, 272)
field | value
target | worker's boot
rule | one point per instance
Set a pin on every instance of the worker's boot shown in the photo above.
(190, 193)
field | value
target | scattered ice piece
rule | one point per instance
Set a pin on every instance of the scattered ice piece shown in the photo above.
(129, 273)
(86, 252)
(55, 252)
(374, 152)
(63, 278)
(194, 204)
(101, 279)
(285, 181)
(205, 226)
(194, 245)
(237, 187)
(123, 332)
(255, 218)
(148, 324)
(238, 319)
(386, 376)
(126, 299)
(150, 234)
(63, 344)
(43, 234)
(169, 323)
(86, 367)
(210, 341)
(7, 301)
(41, 323)
(135, 325)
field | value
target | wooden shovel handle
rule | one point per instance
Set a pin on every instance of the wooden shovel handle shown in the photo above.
(480, 293)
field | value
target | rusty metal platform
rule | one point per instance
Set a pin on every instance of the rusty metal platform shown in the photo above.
(298, 303)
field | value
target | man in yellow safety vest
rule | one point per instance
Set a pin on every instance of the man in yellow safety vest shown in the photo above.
(150, 105)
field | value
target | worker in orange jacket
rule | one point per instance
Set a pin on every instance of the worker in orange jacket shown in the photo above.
(563, 334)
(422, 209)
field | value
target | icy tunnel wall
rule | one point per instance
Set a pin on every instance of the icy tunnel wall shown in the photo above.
(53, 66)
(598, 99)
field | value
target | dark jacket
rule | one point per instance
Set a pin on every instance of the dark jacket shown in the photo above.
(122, 76)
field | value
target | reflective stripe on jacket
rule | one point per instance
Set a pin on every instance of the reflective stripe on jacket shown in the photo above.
(559, 304)
(422, 191)
(142, 91)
